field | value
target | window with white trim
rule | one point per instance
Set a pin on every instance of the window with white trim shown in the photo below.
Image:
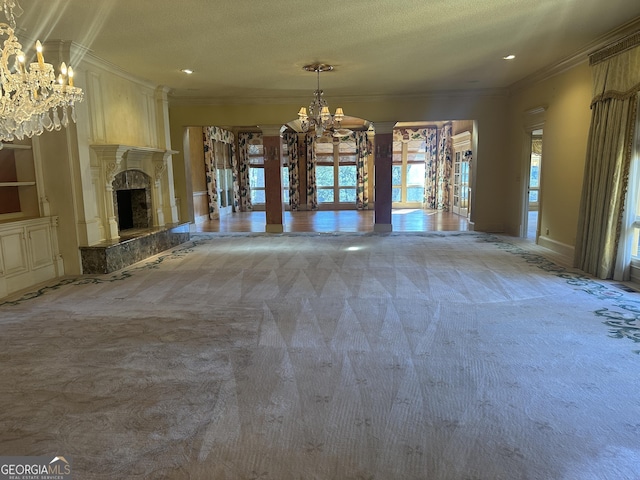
(256, 175)
(336, 175)
(407, 173)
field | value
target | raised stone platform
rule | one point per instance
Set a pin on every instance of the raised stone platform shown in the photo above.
(133, 246)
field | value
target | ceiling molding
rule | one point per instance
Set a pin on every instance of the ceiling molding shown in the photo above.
(581, 56)
(91, 59)
(175, 100)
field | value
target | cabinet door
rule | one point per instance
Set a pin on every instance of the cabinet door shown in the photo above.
(39, 238)
(14, 252)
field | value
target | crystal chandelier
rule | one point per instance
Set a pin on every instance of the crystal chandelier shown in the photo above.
(31, 96)
(319, 116)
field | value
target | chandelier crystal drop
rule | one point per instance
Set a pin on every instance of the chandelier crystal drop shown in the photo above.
(12, 9)
(319, 117)
(31, 96)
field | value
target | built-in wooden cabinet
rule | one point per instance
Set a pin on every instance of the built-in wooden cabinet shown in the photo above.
(18, 187)
(29, 252)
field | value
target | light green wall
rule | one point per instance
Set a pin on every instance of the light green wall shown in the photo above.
(566, 97)
(490, 203)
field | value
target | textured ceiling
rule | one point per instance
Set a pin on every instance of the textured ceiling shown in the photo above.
(254, 50)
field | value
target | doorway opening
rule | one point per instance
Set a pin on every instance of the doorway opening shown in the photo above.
(531, 219)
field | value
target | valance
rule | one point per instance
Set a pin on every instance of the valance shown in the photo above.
(219, 134)
(615, 70)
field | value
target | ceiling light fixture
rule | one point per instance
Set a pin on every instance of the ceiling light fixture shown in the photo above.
(319, 116)
(30, 96)
(188, 71)
(509, 57)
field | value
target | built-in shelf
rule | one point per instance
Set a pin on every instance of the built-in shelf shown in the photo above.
(12, 146)
(17, 184)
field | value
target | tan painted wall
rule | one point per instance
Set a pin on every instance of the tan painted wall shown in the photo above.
(194, 151)
(566, 97)
(490, 212)
(117, 109)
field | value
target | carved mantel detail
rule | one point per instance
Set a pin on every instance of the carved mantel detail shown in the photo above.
(112, 159)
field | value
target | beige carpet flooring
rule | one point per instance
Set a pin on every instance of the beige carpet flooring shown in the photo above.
(350, 356)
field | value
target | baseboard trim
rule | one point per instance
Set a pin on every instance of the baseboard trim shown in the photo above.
(382, 227)
(562, 249)
(274, 228)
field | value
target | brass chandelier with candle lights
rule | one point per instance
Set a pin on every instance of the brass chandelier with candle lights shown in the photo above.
(32, 96)
(319, 117)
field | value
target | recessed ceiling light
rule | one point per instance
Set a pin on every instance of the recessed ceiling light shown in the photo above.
(509, 57)
(188, 71)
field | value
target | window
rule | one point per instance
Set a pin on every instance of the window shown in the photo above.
(285, 173)
(634, 196)
(256, 174)
(408, 172)
(336, 172)
(224, 175)
(534, 176)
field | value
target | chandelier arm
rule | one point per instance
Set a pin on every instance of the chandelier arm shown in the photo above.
(31, 96)
(319, 116)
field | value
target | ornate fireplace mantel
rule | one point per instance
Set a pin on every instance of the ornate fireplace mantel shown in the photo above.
(116, 158)
(110, 159)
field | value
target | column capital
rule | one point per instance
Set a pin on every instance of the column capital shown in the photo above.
(271, 130)
(384, 127)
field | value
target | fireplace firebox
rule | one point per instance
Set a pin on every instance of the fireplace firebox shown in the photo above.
(132, 200)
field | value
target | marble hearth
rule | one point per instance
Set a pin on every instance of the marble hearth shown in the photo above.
(133, 246)
(137, 216)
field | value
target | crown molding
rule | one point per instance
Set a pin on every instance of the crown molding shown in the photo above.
(581, 56)
(177, 100)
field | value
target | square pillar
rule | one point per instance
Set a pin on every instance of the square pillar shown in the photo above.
(383, 182)
(272, 144)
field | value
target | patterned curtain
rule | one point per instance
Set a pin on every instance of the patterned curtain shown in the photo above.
(430, 137)
(312, 189)
(210, 172)
(291, 139)
(431, 169)
(362, 170)
(234, 172)
(603, 238)
(213, 136)
(242, 168)
(445, 160)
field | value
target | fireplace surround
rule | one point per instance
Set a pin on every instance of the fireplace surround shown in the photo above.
(137, 214)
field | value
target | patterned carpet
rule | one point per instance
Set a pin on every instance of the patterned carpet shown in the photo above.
(353, 356)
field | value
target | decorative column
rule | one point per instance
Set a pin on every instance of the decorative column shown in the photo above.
(272, 144)
(110, 159)
(383, 183)
(159, 169)
(170, 212)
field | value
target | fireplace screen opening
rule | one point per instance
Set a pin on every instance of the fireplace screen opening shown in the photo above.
(133, 211)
